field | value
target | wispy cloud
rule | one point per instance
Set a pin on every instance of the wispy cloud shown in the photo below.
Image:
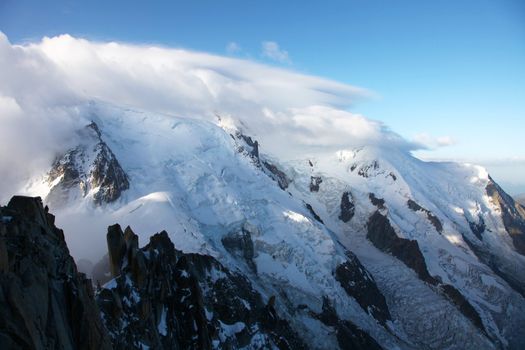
(271, 50)
(233, 48)
(432, 142)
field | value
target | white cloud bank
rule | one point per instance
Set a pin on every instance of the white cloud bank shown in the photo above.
(43, 83)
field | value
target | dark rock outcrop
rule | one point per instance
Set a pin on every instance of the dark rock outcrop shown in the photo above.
(431, 217)
(477, 228)
(253, 146)
(90, 166)
(347, 207)
(315, 181)
(240, 244)
(462, 304)
(350, 337)
(166, 299)
(378, 202)
(366, 170)
(278, 175)
(116, 248)
(512, 214)
(248, 146)
(383, 236)
(381, 233)
(314, 214)
(360, 285)
(45, 303)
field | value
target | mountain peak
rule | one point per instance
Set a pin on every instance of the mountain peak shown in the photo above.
(88, 170)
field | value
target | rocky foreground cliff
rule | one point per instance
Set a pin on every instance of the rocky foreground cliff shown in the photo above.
(158, 297)
(45, 303)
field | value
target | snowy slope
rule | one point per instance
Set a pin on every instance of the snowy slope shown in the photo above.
(452, 193)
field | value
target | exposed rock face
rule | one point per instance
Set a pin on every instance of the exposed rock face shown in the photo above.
(276, 174)
(44, 302)
(165, 299)
(359, 284)
(253, 144)
(89, 168)
(462, 304)
(349, 336)
(240, 244)
(431, 217)
(314, 214)
(477, 228)
(367, 170)
(347, 207)
(378, 202)
(248, 146)
(384, 237)
(512, 214)
(315, 181)
(116, 248)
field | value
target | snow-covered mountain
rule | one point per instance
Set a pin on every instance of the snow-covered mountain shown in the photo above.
(415, 254)
(289, 221)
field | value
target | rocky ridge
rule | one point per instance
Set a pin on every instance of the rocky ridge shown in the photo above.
(158, 297)
(45, 303)
(89, 169)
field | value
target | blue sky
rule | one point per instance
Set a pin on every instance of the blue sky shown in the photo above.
(447, 72)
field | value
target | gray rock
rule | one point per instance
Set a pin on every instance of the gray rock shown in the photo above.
(512, 213)
(347, 207)
(239, 243)
(185, 300)
(89, 166)
(278, 175)
(45, 303)
(315, 182)
(431, 217)
(381, 233)
(360, 285)
(116, 248)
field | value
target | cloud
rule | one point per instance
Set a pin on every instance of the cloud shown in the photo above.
(430, 142)
(46, 85)
(37, 114)
(322, 128)
(233, 48)
(271, 50)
